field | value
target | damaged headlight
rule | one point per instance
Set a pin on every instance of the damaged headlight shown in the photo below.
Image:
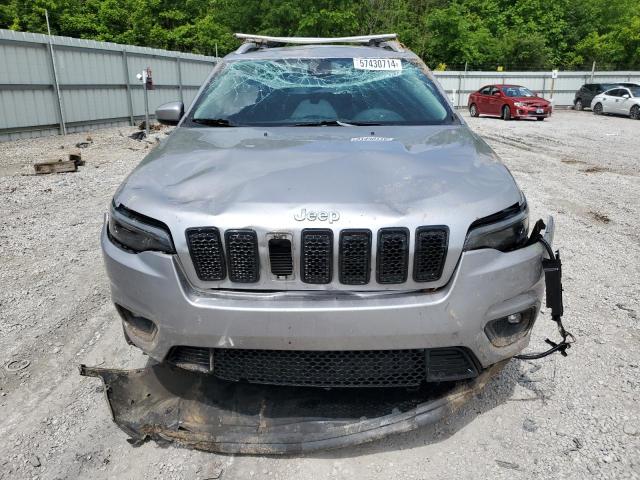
(504, 231)
(137, 233)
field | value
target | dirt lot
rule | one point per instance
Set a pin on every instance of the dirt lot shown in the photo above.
(575, 417)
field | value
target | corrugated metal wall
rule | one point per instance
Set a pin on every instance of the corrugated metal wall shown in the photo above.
(460, 84)
(98, 83)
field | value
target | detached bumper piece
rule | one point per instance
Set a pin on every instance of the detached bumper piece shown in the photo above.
(340, 368)
(169, 404)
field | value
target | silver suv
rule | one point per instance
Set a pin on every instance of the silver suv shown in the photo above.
(321, 216)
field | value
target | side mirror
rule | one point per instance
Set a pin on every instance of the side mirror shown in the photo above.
(497, 94)
(537, 94)
(170, 113)
(626, 95)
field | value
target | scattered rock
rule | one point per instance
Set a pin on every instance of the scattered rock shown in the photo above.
(138, 135)
(529, 425)
(630, 429)
(509, 465)
(34, 461)
(600, 217)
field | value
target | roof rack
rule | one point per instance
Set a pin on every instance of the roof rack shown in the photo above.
(252, 42)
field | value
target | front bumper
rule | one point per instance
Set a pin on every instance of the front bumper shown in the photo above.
(486, 285)
(527, 112)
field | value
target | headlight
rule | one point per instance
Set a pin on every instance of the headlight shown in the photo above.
(136, 233)
(504, 231)
(519, 104)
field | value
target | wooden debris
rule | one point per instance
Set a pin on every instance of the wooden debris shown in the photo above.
(60, 166)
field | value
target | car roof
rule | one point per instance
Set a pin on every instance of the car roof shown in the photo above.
(319, 51)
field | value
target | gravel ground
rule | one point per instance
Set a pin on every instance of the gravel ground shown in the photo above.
(574, 417)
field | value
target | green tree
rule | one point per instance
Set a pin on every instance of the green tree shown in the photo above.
(530, 34)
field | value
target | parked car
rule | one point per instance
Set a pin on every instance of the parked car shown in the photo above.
(508, 101)
(322, 216)
(618, 101)
(584, 96)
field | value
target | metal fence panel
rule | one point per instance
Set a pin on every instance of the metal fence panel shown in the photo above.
(24, 64)
(97, 81)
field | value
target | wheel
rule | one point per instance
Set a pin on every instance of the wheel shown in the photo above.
(578, 105)
(540, 119)
(506, 113)
(634, 113)
(473, 110)
(597, 109)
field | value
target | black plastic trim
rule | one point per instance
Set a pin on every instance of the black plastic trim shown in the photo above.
(308, 231)
(381, 232)
(416, 252)
(351, 231)
(256, 256)
(196, 264)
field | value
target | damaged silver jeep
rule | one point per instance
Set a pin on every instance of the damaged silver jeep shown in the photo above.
(322, 217)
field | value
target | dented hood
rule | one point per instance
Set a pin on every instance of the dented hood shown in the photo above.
(397, 168)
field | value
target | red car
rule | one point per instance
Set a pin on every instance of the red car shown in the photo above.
(508, 101)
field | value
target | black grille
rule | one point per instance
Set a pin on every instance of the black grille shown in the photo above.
(242, 253)
(190, 358)
(280, 257)
(447, 364)
(355, 257)
(207, 255)
(430, 253)
(393, 255)
(361, 368)
(317, 255)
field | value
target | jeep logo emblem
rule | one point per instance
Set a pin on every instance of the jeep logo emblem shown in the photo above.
(320, 215)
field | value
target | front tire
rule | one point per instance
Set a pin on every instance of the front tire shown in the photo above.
(634, 113)
(578, 105)
(597, 109)
(506, 113)
(473, 110)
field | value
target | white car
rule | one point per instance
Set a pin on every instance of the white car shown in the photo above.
(619, 101)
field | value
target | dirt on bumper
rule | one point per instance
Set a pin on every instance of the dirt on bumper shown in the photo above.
(168, 404)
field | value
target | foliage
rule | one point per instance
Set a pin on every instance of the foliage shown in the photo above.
(519, 34)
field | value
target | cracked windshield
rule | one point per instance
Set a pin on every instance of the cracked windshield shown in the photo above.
(310, 92)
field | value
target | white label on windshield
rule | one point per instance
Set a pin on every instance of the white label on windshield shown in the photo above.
(377, 64)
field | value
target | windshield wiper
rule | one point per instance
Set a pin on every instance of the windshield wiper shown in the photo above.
(323, 123)
(214, 122)
(334, 123)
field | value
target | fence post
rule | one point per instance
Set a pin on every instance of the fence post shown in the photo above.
(459, 87)
(63, 127)
(125, 66)
(179, 78)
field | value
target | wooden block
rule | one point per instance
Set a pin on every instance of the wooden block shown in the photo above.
(60, 166)
(76, 158)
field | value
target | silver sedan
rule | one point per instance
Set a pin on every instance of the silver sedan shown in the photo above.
(618, 101)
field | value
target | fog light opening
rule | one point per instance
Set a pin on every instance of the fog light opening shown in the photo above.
(507, 330)
(137, 326)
